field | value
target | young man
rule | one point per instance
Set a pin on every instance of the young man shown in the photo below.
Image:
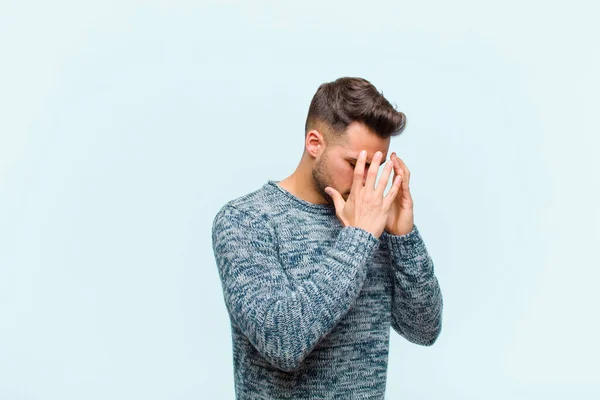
(317, 267)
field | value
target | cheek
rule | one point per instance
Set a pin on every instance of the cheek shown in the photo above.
(344, 170)
(345, 175)
(349, 176)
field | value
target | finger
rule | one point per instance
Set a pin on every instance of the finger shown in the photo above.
(338, 200)
(397, 166)
(394, 168)
(384, 179)
(359, 170)
(399, 171)
(372, 173)
(405, 171)
(393, 192)
(404, 189)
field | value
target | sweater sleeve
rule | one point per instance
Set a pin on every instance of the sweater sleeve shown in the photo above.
(283, 321)
(417, 299)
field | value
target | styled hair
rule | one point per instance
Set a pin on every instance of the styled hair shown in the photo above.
(338, 103)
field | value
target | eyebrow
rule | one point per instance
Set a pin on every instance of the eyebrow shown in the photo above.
(366, 163)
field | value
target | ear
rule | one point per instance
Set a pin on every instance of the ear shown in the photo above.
(314, 143)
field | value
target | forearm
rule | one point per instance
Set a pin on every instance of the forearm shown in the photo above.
(289, 323)
(417, 301)
(285, 321)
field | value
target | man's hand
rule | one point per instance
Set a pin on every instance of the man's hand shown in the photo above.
(367, 207)
(400, 219)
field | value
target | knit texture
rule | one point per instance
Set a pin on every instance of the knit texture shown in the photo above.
(311, 302)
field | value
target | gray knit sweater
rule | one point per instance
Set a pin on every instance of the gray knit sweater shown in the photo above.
(311, 302)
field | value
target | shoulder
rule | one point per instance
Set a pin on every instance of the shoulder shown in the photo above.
(249, 209)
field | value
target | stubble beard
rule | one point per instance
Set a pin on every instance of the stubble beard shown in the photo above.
(321, 178)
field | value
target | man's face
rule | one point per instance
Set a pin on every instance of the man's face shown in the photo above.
(335, 166)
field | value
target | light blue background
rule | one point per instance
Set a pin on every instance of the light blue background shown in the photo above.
(126, 125)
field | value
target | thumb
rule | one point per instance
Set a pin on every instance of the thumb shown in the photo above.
(338, 200)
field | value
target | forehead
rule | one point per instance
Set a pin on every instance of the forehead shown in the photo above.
(360, 137)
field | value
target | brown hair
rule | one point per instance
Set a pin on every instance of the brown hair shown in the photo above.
(338, 103)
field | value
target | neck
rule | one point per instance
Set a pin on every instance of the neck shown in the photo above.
(301, 184)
